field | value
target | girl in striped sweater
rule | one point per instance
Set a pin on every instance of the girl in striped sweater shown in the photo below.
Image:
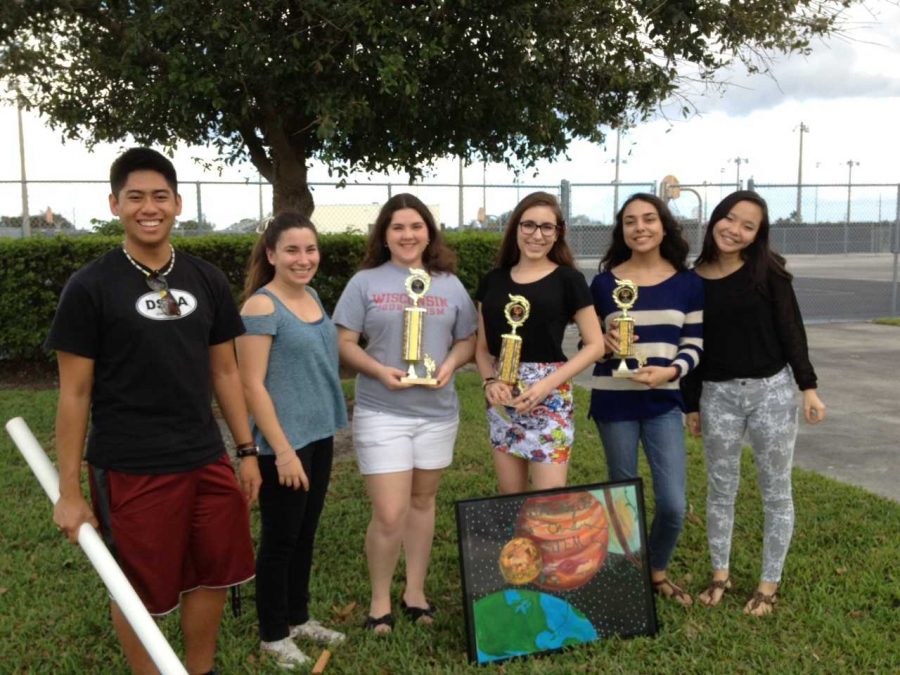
(649, 250)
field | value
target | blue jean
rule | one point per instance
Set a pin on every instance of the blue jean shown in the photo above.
(663, 440)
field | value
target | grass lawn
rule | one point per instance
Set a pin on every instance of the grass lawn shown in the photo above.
(888, 321)
(839, 609)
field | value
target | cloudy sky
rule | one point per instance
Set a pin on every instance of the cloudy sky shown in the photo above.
(847, 92)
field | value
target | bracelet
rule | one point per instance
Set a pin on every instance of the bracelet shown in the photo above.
(244, 446)
(247, 451)
(487, 381)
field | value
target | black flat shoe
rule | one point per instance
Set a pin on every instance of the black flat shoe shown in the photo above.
(375, 625)
(419, 615)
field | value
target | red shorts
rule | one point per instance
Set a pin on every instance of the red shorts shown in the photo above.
(173, 533)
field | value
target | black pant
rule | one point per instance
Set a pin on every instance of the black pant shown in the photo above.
(289, 521)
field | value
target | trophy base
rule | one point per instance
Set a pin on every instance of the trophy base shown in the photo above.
(424, 381)
(624, 371)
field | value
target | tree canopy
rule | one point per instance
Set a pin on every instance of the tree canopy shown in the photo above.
(373, 85)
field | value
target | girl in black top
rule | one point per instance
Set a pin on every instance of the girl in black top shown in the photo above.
(755, 351)
(531, 422)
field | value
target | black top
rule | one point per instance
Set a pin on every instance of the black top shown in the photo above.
(749, 333)
(554, 300)
(151, 399)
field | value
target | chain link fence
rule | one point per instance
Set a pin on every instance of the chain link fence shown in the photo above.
(842, 241)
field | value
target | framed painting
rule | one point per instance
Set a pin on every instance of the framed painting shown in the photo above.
(542, 571)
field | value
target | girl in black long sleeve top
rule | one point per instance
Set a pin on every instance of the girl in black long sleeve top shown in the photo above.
(755, 349)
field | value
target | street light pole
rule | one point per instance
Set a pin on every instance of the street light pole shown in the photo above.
(738, 161)
(799, 210)
(26, 219)
(850, 164)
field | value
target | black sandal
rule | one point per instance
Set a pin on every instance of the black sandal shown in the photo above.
(677, 593)
(415, 614)
(757, 600)
(715, 585)
(373, 624)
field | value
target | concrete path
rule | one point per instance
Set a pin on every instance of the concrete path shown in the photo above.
(858, 365)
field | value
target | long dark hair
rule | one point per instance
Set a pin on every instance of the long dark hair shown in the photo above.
(673, 248)
(560, 253)
(259, 270)
(759, 256)
(437, 256)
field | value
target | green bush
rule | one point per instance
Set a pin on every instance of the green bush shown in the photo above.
(34, 271)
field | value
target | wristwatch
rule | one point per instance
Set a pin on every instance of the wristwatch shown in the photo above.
(247, 450)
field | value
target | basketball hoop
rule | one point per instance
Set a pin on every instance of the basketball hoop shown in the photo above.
(668, 188)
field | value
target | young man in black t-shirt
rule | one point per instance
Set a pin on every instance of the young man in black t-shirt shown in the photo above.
(143, 340)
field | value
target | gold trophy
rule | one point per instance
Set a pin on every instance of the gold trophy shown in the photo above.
(417, 284)
(516, 312)
(625, 295)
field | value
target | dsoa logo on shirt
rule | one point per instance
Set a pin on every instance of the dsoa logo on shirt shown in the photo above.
(150, 305)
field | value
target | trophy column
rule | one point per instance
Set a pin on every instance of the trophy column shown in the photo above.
(625, 295)
(417, 284)
(516, 312)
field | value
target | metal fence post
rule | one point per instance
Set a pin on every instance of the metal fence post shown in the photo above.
(460, 189)
(895, 248)
(199, 206)
(565, 199)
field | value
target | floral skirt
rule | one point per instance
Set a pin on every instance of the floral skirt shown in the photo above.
(543, 435)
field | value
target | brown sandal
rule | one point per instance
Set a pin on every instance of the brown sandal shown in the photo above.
(757, 600)
(715, 585)
(678, 593)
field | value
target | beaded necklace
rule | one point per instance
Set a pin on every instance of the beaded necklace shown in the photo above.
(146, 271)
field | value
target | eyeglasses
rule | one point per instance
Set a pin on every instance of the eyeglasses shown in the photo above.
(530, 227)
(158, 283)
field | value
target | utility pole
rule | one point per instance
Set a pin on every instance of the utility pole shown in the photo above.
(26, 219)
(803, 129)
(260, 186)
(616, 179)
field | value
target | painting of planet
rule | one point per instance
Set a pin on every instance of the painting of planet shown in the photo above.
(571, 532)
(549, 570)
(515, 622)
(520, 561)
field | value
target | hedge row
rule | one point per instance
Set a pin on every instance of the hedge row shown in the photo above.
(34, 271)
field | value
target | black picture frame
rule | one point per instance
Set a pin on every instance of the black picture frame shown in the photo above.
(543, 571)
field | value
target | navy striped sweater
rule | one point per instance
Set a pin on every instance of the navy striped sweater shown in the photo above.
(668, 319)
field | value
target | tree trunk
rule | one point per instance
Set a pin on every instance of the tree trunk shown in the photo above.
(290, 191)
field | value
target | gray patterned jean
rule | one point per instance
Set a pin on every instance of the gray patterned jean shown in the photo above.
(765, 408)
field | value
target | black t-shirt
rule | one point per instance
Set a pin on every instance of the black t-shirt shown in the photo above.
(554, 300)
(749, 333)
(151, 399)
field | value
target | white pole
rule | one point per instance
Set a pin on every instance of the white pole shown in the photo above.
(143, 624)
(26, 219)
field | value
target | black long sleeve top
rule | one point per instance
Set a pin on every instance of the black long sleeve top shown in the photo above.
(749, 333)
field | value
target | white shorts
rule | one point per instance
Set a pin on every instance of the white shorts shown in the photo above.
(388, 443)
